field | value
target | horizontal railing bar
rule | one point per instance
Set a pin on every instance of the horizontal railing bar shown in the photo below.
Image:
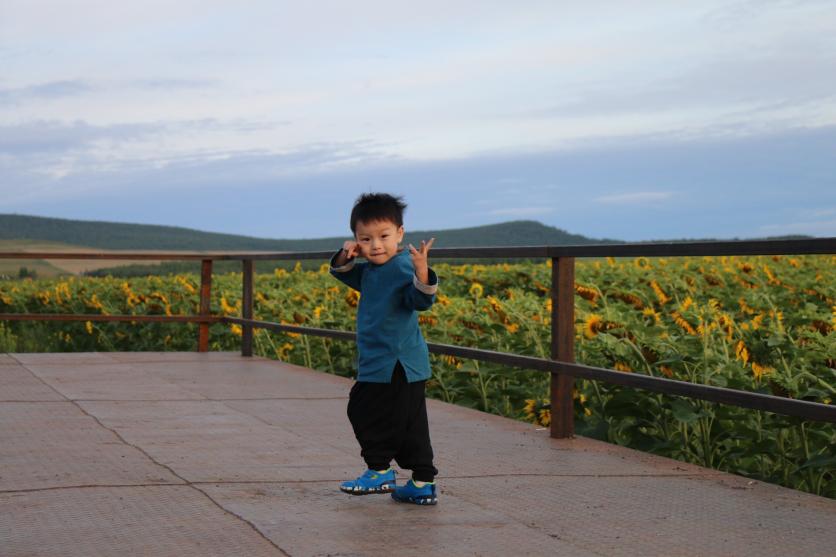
(100, 317)
(813, 246)
(144, 255)
(281, 327)
(296, 255)
(757, 401)
(817, 246)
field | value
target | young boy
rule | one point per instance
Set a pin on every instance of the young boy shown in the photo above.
(386, 406)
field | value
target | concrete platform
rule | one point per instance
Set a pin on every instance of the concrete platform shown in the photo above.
(214, 454)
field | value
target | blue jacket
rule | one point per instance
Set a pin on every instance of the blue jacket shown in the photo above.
(387, 318)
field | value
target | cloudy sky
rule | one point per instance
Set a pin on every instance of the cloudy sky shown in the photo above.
(629, 120)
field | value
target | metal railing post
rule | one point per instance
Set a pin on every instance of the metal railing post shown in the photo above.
(247, 307)
(563, 346)
(205, 304)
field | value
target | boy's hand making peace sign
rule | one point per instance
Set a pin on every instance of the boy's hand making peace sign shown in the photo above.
(419, 260)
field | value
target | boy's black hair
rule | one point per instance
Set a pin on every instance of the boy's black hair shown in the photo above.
(371, 207)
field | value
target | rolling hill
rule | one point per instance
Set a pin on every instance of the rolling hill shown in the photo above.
(122, 236)
(32, 233)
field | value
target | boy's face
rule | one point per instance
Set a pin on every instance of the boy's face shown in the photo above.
(378, 240)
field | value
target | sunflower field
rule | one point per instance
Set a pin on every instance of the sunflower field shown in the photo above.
(762, 324)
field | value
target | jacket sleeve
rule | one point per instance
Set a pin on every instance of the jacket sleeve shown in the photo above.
(349, 274)
(419, 296)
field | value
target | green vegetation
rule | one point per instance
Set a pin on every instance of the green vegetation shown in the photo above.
(27, 233)
(121, 236)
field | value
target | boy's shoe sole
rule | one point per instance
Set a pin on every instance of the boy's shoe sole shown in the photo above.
(358, 490)
(417, 500)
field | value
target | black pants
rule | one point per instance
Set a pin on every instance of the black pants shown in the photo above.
(390, 422)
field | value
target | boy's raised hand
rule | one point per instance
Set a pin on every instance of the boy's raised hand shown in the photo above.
(350, 251)
(419, 260)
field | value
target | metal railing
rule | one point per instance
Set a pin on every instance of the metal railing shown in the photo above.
(561, 366)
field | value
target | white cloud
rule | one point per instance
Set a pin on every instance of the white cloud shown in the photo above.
(491, 78)
(635, 197)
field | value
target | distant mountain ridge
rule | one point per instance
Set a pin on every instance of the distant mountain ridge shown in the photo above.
(124, 236)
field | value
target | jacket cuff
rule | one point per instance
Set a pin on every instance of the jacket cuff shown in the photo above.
(344, 268)
(428, 289)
